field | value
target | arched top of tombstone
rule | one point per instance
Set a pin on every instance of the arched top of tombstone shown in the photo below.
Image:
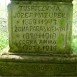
(46, 0)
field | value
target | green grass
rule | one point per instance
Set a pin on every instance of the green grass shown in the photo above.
(3, 40)
(74, 45)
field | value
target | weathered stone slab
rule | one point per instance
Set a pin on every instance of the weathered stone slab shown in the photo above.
(40, 27)
(40, 66)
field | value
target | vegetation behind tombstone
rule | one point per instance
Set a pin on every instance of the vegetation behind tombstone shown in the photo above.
(74, 28)
(4, 28)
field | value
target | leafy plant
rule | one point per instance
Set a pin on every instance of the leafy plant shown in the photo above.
(3, 40)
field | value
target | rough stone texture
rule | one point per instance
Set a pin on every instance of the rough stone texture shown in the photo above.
(32, 66)
(34, 62)
(40, 27)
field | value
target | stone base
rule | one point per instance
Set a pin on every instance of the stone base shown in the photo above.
(41, 66)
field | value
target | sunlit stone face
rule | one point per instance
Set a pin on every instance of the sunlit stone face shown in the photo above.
(40, 27)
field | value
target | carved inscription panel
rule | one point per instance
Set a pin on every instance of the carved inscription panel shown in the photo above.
(40, 27)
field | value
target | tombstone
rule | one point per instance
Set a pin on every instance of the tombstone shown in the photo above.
(39, 39)
(42, 27)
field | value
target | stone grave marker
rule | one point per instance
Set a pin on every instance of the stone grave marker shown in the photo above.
(40, 26)
(42, 31)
